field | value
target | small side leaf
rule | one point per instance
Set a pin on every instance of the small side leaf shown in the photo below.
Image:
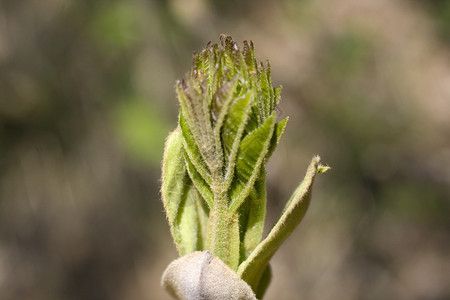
(251, 269)
(177, 196)
(174, 181)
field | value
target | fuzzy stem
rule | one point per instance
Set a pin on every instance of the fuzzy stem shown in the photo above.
(218, 234)
(223, 231)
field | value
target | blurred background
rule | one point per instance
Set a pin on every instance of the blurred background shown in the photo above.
(87, 99)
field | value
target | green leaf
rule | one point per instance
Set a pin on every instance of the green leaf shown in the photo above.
(214, 69)
(252, 269)
(174, 177)
(220, 103)
(193, 98)
(252, 215)
(233, 129)
(278, 133)
(192, 150)
(276, 96)
(198, 181)
(250, 158)
(192, 120)
(177, 196)
(254, 119)
(186, 102)
(264, 93)
(249, 57)
(270, 88)
(186, 224)
(221, 100)
(264, 282)
(203, 217)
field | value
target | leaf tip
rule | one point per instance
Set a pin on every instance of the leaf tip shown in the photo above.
(319, 167)
(323, 169)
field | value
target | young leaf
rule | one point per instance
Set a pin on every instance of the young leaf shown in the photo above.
(194, 102)
(264, 282)
(221, 100)
(271, 90)
(186, 223)
(249, 57)
(278, 132)
(232, 132)
(193, 151)
(177, 196)
(252, 215)
(220, 103)
(264, 92)
(202, 217)
(251, 155)
(276, 96)
(251, 270)
(198, 181)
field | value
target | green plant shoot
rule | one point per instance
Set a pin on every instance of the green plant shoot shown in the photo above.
(214, 177)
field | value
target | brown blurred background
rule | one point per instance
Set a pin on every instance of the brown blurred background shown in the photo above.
(87, 99)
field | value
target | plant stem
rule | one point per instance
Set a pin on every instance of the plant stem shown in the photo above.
(223, 231)
(218, 229)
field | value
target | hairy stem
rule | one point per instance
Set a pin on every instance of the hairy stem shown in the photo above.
(223, 235)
